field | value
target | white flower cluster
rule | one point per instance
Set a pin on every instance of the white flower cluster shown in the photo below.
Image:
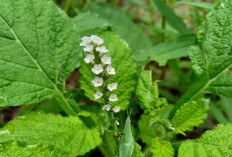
(93, 46)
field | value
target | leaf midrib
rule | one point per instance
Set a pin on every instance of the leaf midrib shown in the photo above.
(71, 111)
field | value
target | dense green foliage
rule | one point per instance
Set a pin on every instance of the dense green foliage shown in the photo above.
(115, 79)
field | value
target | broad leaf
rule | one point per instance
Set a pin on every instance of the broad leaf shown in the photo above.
(42, 131)
(213, 59)
(189, 115)
(162, 148)
(122, 26)
(146, 91)
(124, 65)
(38, 49)
(126, 145)
(216, 142)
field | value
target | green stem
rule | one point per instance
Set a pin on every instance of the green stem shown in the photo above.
(67, 5)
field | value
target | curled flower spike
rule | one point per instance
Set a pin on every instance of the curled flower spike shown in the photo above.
(97, 69)
(113, 97)
(97, 82)
(117, 123)
(89, 48)
(85, 41)
(106, 107)
(116, 109)
(101, 49)
(97, 40)
(106, 60)
(98, 95)
(89, 58)
(112, 86)
(110, 70)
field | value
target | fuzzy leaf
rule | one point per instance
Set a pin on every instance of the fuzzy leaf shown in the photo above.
(189, 115)
(215, 143)
(68, 135)
(137, 151)
(161, 148)
(146, 91)
(38, 49)
(213, 58)
(126, 145)
(124, 65)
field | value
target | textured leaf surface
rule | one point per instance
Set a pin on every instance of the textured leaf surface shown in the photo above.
(189, 115)
(122, 26)
(67, 135)
(38, 49)
(126, 145)
(213, 58)
(146, 91)
(124, 65)
(161, 148)
(137, 151)
(215, 143)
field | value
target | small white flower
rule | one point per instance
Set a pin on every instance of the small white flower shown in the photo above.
(97, 82)
(106, 60)
(116, 122)
(112, 86)
(113, 97)
(97, 40)
(102, 49)
(116, 109)
(89, 58)
(110, 70)
(97, 69)
(98, 95)
(88, 48)
(85, 41)
(106, 107)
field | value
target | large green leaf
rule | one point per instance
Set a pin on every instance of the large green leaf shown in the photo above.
(162, 148)
(215, 143)
(126, 145)
(189, 115)
(213, 58)
(46, 131)
(122, 26)
(38, 49)
(124, 65)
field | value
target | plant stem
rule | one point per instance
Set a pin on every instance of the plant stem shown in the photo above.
(67, 5)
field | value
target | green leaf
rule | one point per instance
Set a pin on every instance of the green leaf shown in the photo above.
(203, 5)
(146, 91)
(124, 65)
(137, 151)
(123, 27)
(213, 57)
(88, 21)
(126, 145)
(171, 49)
(174, 20)
(161, 148)
(216, 142)
(68, 135)
(38, 49)
(189, 115)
